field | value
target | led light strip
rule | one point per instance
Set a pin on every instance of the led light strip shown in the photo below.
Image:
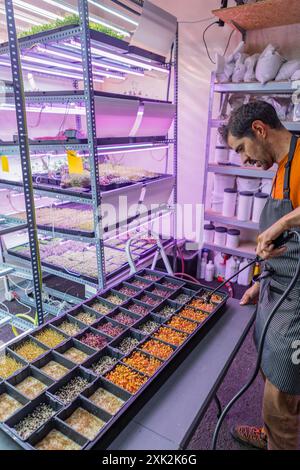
(63, 55)
(24, 18)
(116, 149)
(69, 9)
(119, 58)
(38, 60)
(57, 73)
(157, 147)
(39, 11)
(113, 12)
(47, 109)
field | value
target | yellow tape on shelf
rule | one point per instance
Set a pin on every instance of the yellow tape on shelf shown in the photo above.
(75, 163)
(5, 164)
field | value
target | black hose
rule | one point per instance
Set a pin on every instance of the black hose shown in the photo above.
(259, 353)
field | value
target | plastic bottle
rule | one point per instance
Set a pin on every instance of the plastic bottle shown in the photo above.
(210, 270)
(203, 268)
(245, 277)
(232, 267)
(220, 265)
(257, 270)
(202, 255)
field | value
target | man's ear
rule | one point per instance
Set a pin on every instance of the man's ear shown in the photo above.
(259, 128)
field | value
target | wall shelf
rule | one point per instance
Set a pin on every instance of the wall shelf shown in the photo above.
(256, 87)
(292, 126)
(245, 250)
(230, 221)
(240, 171)
(263, 14)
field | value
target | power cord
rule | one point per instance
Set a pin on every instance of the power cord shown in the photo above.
(259, 353)
(205, 43)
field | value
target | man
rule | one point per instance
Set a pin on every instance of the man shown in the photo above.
(256, 133)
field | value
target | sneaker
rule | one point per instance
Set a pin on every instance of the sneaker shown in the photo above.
(250, 436)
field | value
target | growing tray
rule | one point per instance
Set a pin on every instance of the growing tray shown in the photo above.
(132, 402)
(15, 252)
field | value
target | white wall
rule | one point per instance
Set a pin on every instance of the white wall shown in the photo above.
(194, 84)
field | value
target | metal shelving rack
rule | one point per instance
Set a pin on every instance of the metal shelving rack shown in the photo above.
(274, 88)
(92, 144)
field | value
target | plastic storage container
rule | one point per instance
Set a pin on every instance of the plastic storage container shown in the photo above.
(209, 233)
(221, 151)
(266, 185)
(222, 182)
(217, 202)
(229, 202)
(221, 154)
(234, 158)
(248, 184)
(260, 200)
(220, 236)
(233, 238)
(245, 204)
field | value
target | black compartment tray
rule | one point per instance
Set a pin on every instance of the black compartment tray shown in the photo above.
(131, 403)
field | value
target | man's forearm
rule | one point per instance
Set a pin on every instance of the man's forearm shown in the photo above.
(292, 220)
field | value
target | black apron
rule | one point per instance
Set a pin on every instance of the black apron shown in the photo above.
(280, 358)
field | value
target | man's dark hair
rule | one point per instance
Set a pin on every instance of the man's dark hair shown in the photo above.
(241, 120)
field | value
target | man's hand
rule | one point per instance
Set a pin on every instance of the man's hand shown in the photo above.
(265, 247)
(251, 295)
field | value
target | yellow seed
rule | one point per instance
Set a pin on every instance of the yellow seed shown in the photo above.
(49, 337)
(8, 365)
(29, 350)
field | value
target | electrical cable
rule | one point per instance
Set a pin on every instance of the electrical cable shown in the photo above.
(191, 278)
(160, 159)
(168, 98)
(25, 289)
(259, 351)
(204, 40)
(38, 119)
(228, 42)
(5, 307)
(11, 204)
(64, 119)
(24, 305)
(182, 259)
(197, 21)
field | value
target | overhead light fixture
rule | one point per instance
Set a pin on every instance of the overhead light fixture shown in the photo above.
(38, 60)
(47, 109)
(63, 55)
(69, 9)
(131, 149)
(24, 18)
(37, 10)
(109, 150)
(57, 73)
(113, 12)
(120, 58)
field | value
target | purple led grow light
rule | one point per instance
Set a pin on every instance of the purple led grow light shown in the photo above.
(57, 73)
(63, 55)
